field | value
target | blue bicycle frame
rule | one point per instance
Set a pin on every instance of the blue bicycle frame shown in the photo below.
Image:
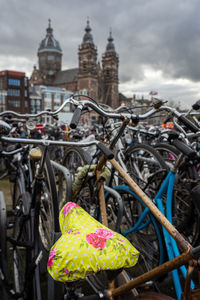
(171, 245)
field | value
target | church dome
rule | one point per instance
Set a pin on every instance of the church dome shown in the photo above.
(49, 43)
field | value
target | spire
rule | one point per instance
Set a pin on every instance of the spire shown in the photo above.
(49, 29)
(110, 46)
(87, 38)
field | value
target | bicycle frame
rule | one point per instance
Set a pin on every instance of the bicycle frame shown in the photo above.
(172, 264)
(170, 243)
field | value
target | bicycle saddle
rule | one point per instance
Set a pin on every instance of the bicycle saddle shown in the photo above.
(87, 247)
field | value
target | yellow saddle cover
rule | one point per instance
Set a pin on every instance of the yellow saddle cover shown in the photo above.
(86, 246)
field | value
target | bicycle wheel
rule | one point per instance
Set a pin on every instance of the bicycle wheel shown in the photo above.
(49, 213)
(46, 226)
(3, 250)
(168, 153)
(18, 241)
(20, 232)
(146, 236)
(142, 161)
(185, 211)
(74, 158)
(21, 243)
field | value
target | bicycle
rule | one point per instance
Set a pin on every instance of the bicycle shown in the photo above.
(183, 244)
(167, 224)
(30, 208)
(188, 151)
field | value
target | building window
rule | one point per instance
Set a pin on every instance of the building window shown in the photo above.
(47, 95)
(84, 66)
(57, 96)
(14, 103)
(42, 58)
(25, 93)
(107, 72)
(25, 81)
(15, 82)
(84, 92)
(50, 57)
(56, 105)
(47, 104)
(12, 92)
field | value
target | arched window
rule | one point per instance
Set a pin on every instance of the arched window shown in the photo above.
(107, 72)
(84, 66)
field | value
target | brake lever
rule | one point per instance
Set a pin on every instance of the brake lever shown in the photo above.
(157, 103)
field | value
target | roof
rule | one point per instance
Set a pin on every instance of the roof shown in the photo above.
(66, 76)
(122, 97)
(13, 73)
(49, 43)
(34, 92)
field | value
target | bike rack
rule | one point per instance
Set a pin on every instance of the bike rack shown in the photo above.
(119, 200)
(67, 176)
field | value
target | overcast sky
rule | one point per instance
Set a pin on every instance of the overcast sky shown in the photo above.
(158, 41)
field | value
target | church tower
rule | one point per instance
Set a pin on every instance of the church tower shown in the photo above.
(88, 67)
(110, 63)
(49, 59)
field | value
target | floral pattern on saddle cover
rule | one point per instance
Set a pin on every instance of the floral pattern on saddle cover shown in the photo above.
(86, 246)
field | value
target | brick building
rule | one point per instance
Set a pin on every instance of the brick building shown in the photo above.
(99, 82)
(14, 91)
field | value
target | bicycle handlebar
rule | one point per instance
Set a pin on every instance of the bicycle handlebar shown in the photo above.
(45, 112)
(158, 106)
(189, 124)
(76, 117)
(107, 152)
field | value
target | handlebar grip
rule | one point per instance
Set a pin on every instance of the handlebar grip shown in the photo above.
(76, 117)
(189, 124)
(183, 148)
(107, 152)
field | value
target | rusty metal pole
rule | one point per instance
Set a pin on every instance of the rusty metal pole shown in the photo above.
(154, 273)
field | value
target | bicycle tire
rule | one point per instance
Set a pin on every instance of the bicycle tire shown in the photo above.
(74, 158)
(147, 239)
(22, 235)
(142, 161)
(49, 212)
(185, 212)
(3, 260)
(46, 227)
(168, 152)
(19, 256)
(18, 253)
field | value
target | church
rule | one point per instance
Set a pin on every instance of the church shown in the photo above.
(92, 78)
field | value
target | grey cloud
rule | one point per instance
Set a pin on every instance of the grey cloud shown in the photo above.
(161, 34)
